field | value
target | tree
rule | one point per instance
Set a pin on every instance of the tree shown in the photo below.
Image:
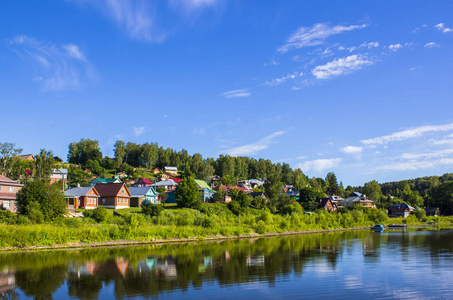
(187, 194)
(332, 184)
(152, 210)
(273, 186)
(163, 196)
(149, 154)
(373, 190)
(9, 158)
(81, 152)
(442, 196)
(50, 199)
(308, 198)
(120, 152)
(219, 196)
(43, 165)
(241, 197)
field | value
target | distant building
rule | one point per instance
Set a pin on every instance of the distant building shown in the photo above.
(171, 170)
(113, 195)
(327, 204)
(356, 199)
(82, 197)
(27, 157)
(59, 174)
(141, 182)
(8, 191)
(142, 195)
(401, 210)
(96, 181)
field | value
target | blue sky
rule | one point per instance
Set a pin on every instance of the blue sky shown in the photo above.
(361, 88)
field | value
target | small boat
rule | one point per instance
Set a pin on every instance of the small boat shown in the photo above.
(397, 225)
(378, 228)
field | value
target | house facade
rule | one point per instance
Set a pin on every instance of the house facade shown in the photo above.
(327, 204)
(8, 191)
(171, 170)
(143, 182)
(113, 195)
(166, 184)
(59, 174)
(142, 195)
(356, 199)
(401, 210)
(82, 197)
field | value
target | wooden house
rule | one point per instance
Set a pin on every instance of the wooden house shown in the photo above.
(327, 204)
(166, 184)
(59, 174)
(96, 181)
(432, 211)
(205, 191)
(401, 210)
(143, 182)
(113, 195)
(171, 170)
(27, 157)
(142, 195)
(82, 197)
(8, 191)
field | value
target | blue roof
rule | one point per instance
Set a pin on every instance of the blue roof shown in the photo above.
(141, 191)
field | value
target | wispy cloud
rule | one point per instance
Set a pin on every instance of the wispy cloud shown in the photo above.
(341, 66)
(237, 93)
(431, 45)
(416, 165)
(395, 47)
(315, 35)
(60, 67)
(407, 134)
(189, 6)
(319, 165)
(352, 150)
(254, 148)
(139, 130)
(366, 45)
(133, 16)
(441, 27)
(427, 154)
(280, 80)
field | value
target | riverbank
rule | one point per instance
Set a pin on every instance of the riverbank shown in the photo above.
(173, 241)
(214, 222)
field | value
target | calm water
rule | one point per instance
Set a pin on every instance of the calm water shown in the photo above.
(363, 264)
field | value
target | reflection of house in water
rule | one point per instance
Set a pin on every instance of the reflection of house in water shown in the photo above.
(166, 268)
(255, 261)
(117, 266)
(7, 280)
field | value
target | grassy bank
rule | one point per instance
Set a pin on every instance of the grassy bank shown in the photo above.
(210, 221)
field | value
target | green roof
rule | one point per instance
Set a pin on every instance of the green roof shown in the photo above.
(202, 184)
(103, 180)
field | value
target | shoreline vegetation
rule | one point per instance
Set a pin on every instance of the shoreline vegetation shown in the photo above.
(209, 222)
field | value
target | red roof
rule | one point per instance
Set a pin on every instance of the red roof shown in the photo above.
(238, 187)
(6, 179)
(177, 180)
(28, 172)
(146, 180)
(7, 196)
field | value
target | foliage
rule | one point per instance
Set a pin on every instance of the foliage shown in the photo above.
(308, 198)
(84, 150)
(10, 163)
(373, 190)
(442, 196)
(241, 197)
(332, 184)
(219, 196)
(43, 165)
(50, 199)
(187, 194)
(77, 175)
(152, 210)
(99, 214)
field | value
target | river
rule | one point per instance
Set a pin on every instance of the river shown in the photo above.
(397, 264)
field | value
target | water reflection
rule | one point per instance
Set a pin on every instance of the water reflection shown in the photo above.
(308, 260)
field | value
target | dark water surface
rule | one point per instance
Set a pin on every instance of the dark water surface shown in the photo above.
(354, 265)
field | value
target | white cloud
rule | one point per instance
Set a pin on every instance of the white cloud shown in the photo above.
(319, 165)
(74, 51)
(431, 45)
(407, 134)
(416, 165)
(60, 67)
(278, 81)
(352, 149)
(395, 47)
(139, 130)
(341, 66)
(237, 93)
(430, 154)
(133, 16)
(441, 27)
(315, 35)
(254, 148)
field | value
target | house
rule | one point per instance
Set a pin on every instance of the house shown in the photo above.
(177, 180)
(166, 184)
(327, 204)
(335, 199)
(294, 194)
(59, 174)
(113, 195)
(288, 188)
(205, 190)
(156, 171)
(222, 187)
(27, 157)
(356, 199)
(214, 180)
(96, 181)
(82, 197)
(259, 194)
(8, 191)
(142, 195)
(256, 183)
(141, 182)
(171, 170)
(432, 211)
(165, 176)
(401, 210)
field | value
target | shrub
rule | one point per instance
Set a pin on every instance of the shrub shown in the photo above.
(99, 214)
(152, 210)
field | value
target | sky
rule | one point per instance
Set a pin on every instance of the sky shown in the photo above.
(360, 88)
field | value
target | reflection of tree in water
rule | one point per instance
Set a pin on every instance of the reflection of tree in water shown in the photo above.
(152, 270)
(41, 283)
(84, 286)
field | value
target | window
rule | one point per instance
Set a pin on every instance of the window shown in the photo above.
(122, 191)
(12, 188)
(78, 201)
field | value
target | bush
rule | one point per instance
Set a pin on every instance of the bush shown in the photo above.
(152, 210)
(99, 214)
(235, 207)
(34, 213)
